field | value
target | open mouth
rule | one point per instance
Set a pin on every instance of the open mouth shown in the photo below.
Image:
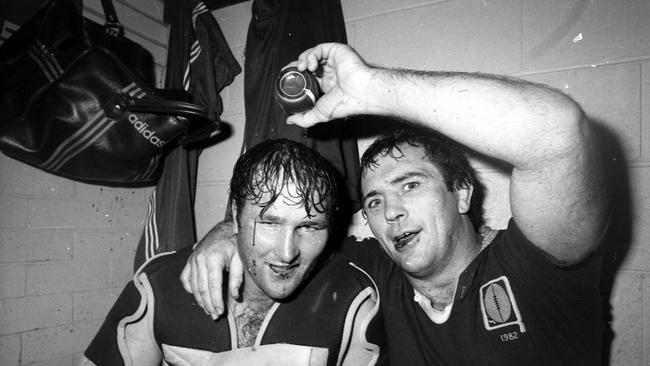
(283, 271)
(404, 239)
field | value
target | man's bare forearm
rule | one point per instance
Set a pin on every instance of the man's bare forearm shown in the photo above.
(222, 231)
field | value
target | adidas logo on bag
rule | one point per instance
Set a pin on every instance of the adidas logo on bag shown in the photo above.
(146, 133)
(135, 92)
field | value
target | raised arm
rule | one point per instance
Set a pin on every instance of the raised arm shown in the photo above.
(557, 191)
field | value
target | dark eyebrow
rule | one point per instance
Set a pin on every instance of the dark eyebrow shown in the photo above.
(314, 222)
(397, 180)
(368, 195)
(270, 217)
(406, 176)
(280, 219)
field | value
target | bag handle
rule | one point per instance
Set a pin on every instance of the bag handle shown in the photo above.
(208, 128)
(172, 107)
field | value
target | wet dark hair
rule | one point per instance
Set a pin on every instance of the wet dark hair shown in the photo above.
(270, 165)
(446, 154)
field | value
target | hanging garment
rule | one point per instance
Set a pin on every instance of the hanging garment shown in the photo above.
(199, 60)
(278, 32)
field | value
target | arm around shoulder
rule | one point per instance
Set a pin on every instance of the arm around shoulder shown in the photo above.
(202, 275)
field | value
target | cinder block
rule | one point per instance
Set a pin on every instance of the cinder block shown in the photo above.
(129, 215)
(609, 95)
(67, 277)
(645, 113)
(451, 36)
(627, 303)
(153, 9)
(350, 32)
(355, 9)
(28, 313)
(561, 33)
(71, 214)
(640, 193)
(210, 206)
(55, 343)
(121, 272)
(21, 178)
(629, 258)
(10, 350)
(93, 245)
(19, 211)
(67, 360)
(159, 74)
(217, 161)
(118, 253)
(646, 311)
(16, 211)
(94, 305)
(12, 281)
(19, 245)
(97, 193)
(233, 21)
(116, 250)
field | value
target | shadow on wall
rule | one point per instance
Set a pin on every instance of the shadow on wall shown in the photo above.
(617, 242)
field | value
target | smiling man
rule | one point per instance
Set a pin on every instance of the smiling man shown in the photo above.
(454, 293)
(299, 304)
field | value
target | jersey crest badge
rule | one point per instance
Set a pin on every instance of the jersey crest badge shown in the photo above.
(499, 306)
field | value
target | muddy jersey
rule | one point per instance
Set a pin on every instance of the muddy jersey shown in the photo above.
(512, 307)
(155, 318)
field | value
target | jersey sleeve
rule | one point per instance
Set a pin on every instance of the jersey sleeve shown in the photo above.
(126, 336)
(104, 349)
(522, 256)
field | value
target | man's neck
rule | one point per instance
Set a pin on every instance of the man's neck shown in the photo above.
(440, 286)
(249, 313)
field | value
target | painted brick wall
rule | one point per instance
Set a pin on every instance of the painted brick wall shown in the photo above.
(67, 248)
(597, 51)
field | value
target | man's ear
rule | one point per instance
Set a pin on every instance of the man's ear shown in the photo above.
(464, 194)
(235, 223)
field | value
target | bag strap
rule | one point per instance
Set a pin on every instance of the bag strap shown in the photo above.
(113, 25)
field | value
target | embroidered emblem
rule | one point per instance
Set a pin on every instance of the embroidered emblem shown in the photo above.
(499, 306)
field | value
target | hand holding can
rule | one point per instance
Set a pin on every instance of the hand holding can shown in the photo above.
(296, 91)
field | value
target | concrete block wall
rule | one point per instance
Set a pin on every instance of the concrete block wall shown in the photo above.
(67, 248)
(597, 51)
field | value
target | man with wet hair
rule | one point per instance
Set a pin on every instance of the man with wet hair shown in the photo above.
(298, 305)
(451, 293)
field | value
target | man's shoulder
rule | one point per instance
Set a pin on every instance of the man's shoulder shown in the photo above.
(164, 270)
(166, 263)
(338, 273)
